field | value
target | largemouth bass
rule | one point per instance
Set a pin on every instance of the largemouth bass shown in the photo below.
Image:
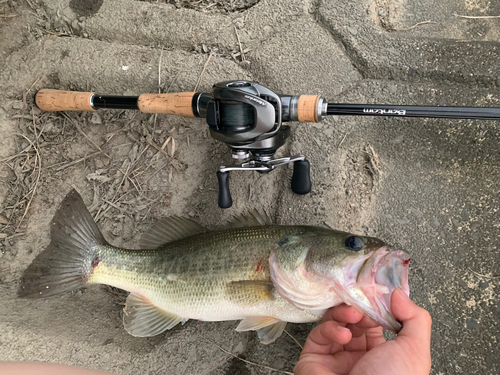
(262, 274)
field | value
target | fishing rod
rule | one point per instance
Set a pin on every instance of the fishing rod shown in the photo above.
(249, 118)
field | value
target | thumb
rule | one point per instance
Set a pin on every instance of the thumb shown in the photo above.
(416, 321)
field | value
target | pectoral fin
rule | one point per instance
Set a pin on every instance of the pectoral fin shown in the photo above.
(267, 327)
(143, 319)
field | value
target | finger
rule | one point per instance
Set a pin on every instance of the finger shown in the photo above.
(374, 337)
(416, 321)
(358, 341)
(364, 338)
(311, 365)
(343, 313)
(356, 330)
(340, 363)
(367, 322)
(327, 338)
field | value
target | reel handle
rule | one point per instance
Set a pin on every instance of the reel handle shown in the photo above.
(301, 179)
(225, 200)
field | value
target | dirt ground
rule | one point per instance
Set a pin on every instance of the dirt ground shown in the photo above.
(428, 186)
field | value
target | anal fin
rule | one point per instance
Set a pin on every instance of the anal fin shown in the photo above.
(267, 327)
(143, 319)
(269, 334)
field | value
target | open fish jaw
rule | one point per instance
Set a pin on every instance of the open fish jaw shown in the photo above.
(383, 272)
(363, 281)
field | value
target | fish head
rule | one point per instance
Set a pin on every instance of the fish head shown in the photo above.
(319, 270)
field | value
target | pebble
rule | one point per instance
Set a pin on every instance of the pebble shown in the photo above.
(352, 30)
(240, 348)
(278, 363)
(483, 285)
(471, 323)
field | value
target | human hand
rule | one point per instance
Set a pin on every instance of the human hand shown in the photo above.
(349, 343)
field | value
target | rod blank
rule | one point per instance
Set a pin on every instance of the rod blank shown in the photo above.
(414, 111)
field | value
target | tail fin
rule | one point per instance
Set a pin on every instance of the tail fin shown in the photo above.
(67, 263)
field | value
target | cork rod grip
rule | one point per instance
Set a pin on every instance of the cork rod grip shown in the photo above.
(61, 100)
(307, 108)
(178, 104)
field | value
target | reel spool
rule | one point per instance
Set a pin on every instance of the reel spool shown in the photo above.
(248, 118)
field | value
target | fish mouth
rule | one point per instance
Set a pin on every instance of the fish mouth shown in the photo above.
(377, 277)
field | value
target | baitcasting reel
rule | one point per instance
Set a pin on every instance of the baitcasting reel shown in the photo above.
(249, 118)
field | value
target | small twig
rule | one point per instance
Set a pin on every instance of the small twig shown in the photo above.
(159, 84)
(251, 363)
(159, 71)
(55, 33)
(416, 25)
(173, 81)
(374, 159)
(150, 142)
(340, 143)
(203, 71)
(156, 171)
(124, 128)
(172, 151)
(28, 91)
(33, 189)
(165, 143)
(9, 158)
(235, 55)
(301, 347)
(15, 235)
(112, 205)
(239, 42)
(484, 276)
(476, 17)
(84, 158)
(77, 126)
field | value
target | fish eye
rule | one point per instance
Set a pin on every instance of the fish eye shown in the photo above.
(354, 243)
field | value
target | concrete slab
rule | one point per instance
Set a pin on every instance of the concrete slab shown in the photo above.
(382, 54)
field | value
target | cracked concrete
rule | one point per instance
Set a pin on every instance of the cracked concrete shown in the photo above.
(435, 194)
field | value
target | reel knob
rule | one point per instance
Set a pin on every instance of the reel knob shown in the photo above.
(301, 179)
(225, 200)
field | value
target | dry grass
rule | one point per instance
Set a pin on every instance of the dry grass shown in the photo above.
(125, 176)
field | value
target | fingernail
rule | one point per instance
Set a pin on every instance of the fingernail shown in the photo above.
(340, 328)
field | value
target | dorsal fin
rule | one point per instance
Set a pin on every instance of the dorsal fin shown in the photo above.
(250, 219)
(169, 229)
